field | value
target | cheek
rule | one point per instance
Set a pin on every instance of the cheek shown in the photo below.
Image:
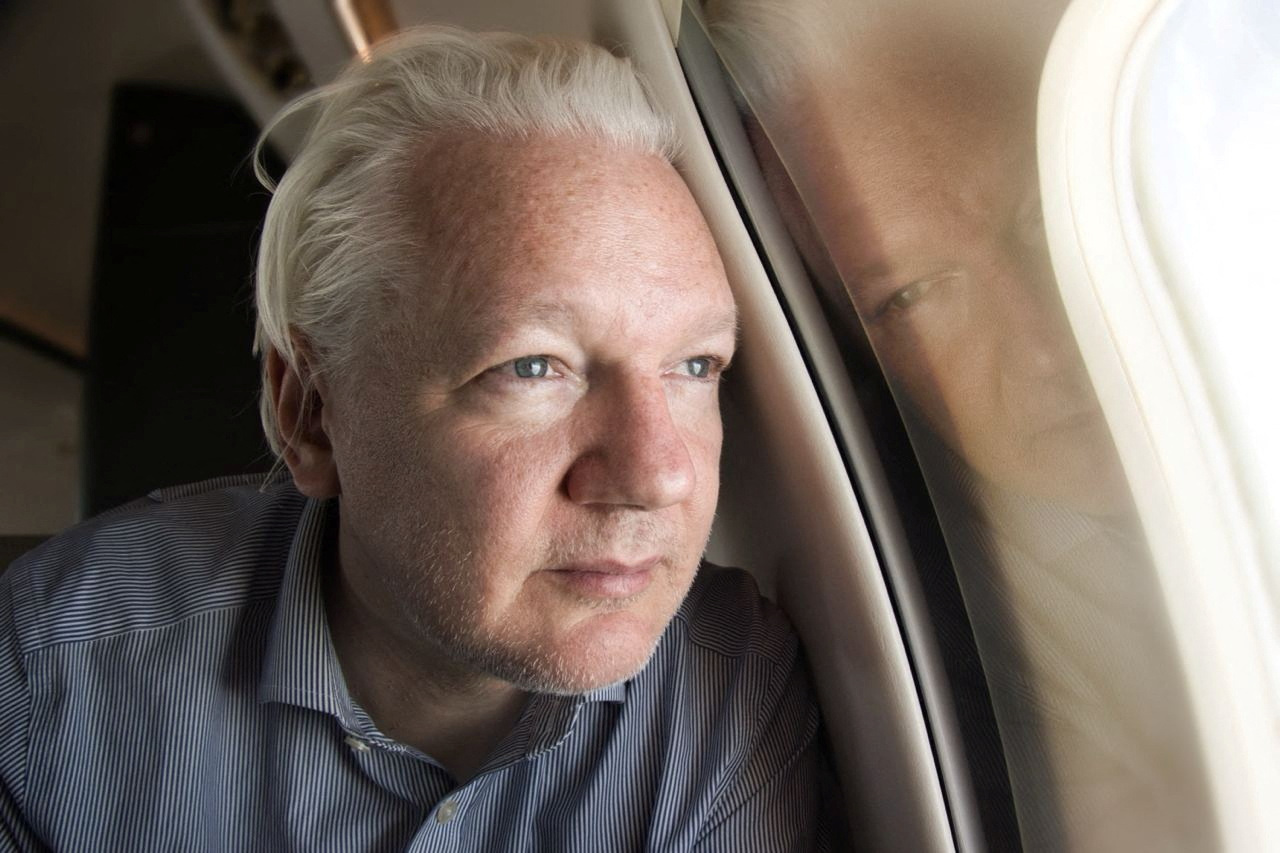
(951, 380)
(443, 471)
(703, 436)
(922, 366)
(502, 483)
(708, 444)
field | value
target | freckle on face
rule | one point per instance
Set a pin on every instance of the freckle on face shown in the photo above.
(455, 515)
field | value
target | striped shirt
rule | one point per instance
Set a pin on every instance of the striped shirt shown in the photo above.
(168, 681)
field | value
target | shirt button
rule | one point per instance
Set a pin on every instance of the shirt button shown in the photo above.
(447, 810)
(356, 744)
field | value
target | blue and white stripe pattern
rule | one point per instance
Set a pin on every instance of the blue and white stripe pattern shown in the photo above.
(167, 682)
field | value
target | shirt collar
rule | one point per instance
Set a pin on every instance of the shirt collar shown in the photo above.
(1045, 530)
(301, 667)
(547, 721)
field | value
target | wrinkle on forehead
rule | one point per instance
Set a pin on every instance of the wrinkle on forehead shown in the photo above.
(491, 207)
(471, 186)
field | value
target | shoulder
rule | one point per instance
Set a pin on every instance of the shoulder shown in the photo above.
(724, 614)
(731, 655)
(154, 562)
(730, 681)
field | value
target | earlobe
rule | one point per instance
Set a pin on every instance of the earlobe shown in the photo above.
(299, 406)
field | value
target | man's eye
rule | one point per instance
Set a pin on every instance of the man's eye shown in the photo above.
(701, 367)
(531, 367)
(905, 298)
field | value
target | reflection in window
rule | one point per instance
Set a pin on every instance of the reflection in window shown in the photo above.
(898, 139)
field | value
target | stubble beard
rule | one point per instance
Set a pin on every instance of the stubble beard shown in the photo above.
(442, 600)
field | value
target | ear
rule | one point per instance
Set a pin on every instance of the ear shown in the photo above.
(299, 407)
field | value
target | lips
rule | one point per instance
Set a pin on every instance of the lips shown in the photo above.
(1068, 421)
(1055, 407)
(606, 579)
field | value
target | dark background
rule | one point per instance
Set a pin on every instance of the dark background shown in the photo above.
(128, 216)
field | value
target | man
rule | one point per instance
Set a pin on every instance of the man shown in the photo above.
(899, 141)
(910, 138)
(493, 323)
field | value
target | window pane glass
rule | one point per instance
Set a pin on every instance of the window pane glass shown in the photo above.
(898, 140)
(1207, 181)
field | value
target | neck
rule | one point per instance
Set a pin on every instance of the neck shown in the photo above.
(411, 689)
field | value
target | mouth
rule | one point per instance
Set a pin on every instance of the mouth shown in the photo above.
(606, 579)
(1074, 421)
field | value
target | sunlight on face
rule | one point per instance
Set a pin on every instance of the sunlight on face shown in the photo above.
(530, 489)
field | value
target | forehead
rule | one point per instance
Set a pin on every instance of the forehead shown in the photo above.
(926, 129)
(550, 224)
(918, 148)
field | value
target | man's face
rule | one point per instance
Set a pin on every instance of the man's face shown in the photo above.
(529, 454)
(927, 203)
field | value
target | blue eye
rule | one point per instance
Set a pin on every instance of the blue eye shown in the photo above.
(531, 367)
(707, 367)
(699, 368)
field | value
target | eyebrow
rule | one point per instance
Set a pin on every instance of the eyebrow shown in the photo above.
(483, 327)
(719, 323)
(478, 330)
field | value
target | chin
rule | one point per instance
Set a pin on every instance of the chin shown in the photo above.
(593, 657)
(1084, 472)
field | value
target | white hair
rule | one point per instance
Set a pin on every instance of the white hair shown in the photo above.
(336, 239)
(770, 46)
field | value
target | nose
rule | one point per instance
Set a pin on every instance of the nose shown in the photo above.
(634, 454)
(1037, 337)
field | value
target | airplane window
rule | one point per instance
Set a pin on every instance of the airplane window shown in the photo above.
(899, 142)
(1207, 188)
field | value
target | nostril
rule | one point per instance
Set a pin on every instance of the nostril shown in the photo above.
(1043, 360)
(1038, 341)
(651, 478)
(674, 481)
(638, 458)
(1037, 364)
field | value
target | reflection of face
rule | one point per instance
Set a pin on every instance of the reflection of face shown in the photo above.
(926, 201)
(528, 492)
